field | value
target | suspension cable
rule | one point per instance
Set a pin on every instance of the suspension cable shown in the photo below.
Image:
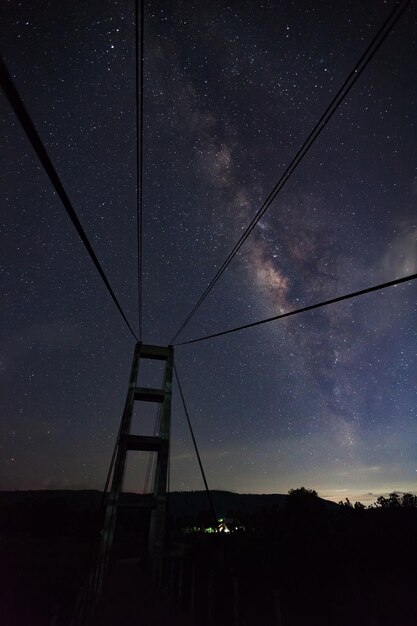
(139, 150)
(310, 307)
(187, 415)
(29, 128)
(340, 96)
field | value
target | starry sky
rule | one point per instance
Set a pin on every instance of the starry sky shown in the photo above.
(325, 399)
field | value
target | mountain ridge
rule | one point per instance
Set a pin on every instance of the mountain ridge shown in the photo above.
(181, 503)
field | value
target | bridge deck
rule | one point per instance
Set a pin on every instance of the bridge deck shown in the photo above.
(132, 599)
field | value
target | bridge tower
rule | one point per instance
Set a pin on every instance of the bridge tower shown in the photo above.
(128, 441)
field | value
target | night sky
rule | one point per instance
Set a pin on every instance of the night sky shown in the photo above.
(324, 399)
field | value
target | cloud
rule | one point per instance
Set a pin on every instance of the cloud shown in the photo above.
(401, 256)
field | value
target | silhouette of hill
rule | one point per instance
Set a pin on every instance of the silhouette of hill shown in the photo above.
(181, 503)
(190, 502)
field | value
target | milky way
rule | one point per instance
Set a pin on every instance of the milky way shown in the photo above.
(325, 399)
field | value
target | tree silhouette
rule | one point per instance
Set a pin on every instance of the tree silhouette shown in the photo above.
(397, 501)
(302, 492)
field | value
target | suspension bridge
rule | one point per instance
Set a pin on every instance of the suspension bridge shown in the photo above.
(109, 594)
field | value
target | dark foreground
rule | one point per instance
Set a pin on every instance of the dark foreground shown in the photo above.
(303, 564)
